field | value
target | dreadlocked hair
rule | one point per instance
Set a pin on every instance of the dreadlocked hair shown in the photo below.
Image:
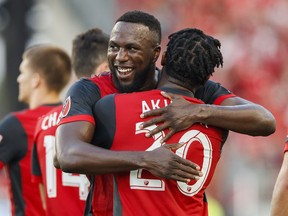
(191, 56)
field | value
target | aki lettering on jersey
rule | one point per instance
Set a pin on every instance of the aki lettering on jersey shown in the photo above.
(154, 104)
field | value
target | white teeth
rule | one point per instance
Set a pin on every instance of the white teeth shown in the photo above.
(124, 70)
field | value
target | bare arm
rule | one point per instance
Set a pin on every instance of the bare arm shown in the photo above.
(76, 155)
(279, 205)
(235, 114)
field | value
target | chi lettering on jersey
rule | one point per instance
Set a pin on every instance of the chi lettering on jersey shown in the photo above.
(49, 121)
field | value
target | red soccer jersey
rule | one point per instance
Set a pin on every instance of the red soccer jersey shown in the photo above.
(139, 192)
(17, 131)
(60, 188)
(79, 107)
(83, 95)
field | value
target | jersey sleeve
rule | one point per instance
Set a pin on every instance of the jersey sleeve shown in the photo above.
(213, 93)
(36, 171)
(105, 114)
(80, 99)
(12, 148)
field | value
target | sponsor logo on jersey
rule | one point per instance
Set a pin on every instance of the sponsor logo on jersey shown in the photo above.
(66, 107)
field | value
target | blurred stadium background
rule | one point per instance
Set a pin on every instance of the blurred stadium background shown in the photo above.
(254, 36)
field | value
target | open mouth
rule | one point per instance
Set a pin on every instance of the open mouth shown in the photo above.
(124, 72)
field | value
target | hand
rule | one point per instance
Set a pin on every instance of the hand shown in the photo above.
(162, 162)
(175, 117)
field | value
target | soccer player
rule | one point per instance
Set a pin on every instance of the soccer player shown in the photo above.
(89, 56)
(190, 60)
(280, 192)
(44, 72)
(134, 48)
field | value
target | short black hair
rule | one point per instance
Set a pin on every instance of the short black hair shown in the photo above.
(143, 18)
(89, 51)
(192, 56)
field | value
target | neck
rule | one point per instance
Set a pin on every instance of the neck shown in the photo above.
(152, 84)
(40, 98)
(172, 83)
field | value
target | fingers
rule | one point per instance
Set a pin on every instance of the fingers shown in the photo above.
(170, 96)
(188, 171)
(173, 146)
(155, 112)
(181, 179)
(168, 135)
(157, 130)
(185, 173)
(152, 121)
(183, 167)
(164, 163)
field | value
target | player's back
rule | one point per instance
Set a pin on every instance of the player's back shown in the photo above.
(140, 193)
(60, 188)
(18, 134)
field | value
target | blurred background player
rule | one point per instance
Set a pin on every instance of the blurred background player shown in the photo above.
(89, 53)
(44, 72)
(89, 56)
(189, 61)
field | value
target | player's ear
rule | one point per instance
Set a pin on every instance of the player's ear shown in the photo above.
(157, 51)
(36, 79)
(163, 59)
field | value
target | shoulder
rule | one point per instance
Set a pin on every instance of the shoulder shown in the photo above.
(105, 83)
(211, 92)
(9, 119)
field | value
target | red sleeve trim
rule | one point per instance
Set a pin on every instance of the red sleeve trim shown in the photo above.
(220, 99)
(36, 179)
(77, 118)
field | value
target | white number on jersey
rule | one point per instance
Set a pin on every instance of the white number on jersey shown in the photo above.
(68, 179)
(136, 182)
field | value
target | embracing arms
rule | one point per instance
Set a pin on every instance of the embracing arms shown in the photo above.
(234, 113)
(75, 154)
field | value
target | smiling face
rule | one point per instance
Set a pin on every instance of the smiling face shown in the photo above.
(132, 53)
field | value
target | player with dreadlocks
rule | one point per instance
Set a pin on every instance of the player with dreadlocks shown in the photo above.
(191, 57)
(189, 61)
(134, 47)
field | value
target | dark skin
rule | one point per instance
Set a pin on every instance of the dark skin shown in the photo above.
(160, 162)
(235, 114)
(130, 54)
(133, 51)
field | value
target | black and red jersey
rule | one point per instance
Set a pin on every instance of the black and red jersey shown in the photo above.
(82, 95)
(138, 192)
(78, 106)
(17, 131)
(60, 188)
